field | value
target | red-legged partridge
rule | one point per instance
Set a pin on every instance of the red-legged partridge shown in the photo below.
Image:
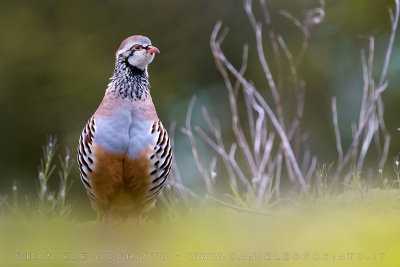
(124, 151)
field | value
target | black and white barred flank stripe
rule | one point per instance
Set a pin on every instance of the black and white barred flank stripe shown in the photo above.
(85, 160)
(161, 159)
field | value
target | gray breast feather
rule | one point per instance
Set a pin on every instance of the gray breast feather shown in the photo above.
(113, 132)
(140, 137)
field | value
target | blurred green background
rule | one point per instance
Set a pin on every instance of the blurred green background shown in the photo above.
(56, 58)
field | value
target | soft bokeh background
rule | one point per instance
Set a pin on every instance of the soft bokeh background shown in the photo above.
(56, 58)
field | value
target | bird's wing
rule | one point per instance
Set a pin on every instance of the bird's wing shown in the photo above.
(161, 159)
(85, 158)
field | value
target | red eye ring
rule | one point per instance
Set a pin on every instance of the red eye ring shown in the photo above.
(137, 47)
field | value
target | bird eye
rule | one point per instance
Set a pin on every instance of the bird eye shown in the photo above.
(137, 47)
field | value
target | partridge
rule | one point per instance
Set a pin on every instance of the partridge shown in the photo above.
(124, 152)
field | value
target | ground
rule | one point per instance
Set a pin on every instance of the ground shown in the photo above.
(355, 228)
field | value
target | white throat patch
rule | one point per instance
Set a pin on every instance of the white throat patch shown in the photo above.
(140, 59)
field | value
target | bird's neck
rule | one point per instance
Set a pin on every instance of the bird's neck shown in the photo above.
(130, 82)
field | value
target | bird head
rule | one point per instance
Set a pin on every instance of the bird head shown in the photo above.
(137, 51)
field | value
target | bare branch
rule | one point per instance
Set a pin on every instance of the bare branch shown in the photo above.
(373, 126)
(311, 170)
(222, 153)
(236, 126)
(188, 131)
(266, 154)
(278, 174)
(261, 56)
(337, 132)
(274, 43)
(394, 21)
(247, 86)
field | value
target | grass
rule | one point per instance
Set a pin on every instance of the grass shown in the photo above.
(358, 227)
(47, 204)
(348, 229)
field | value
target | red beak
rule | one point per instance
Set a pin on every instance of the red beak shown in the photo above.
(152, 49)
